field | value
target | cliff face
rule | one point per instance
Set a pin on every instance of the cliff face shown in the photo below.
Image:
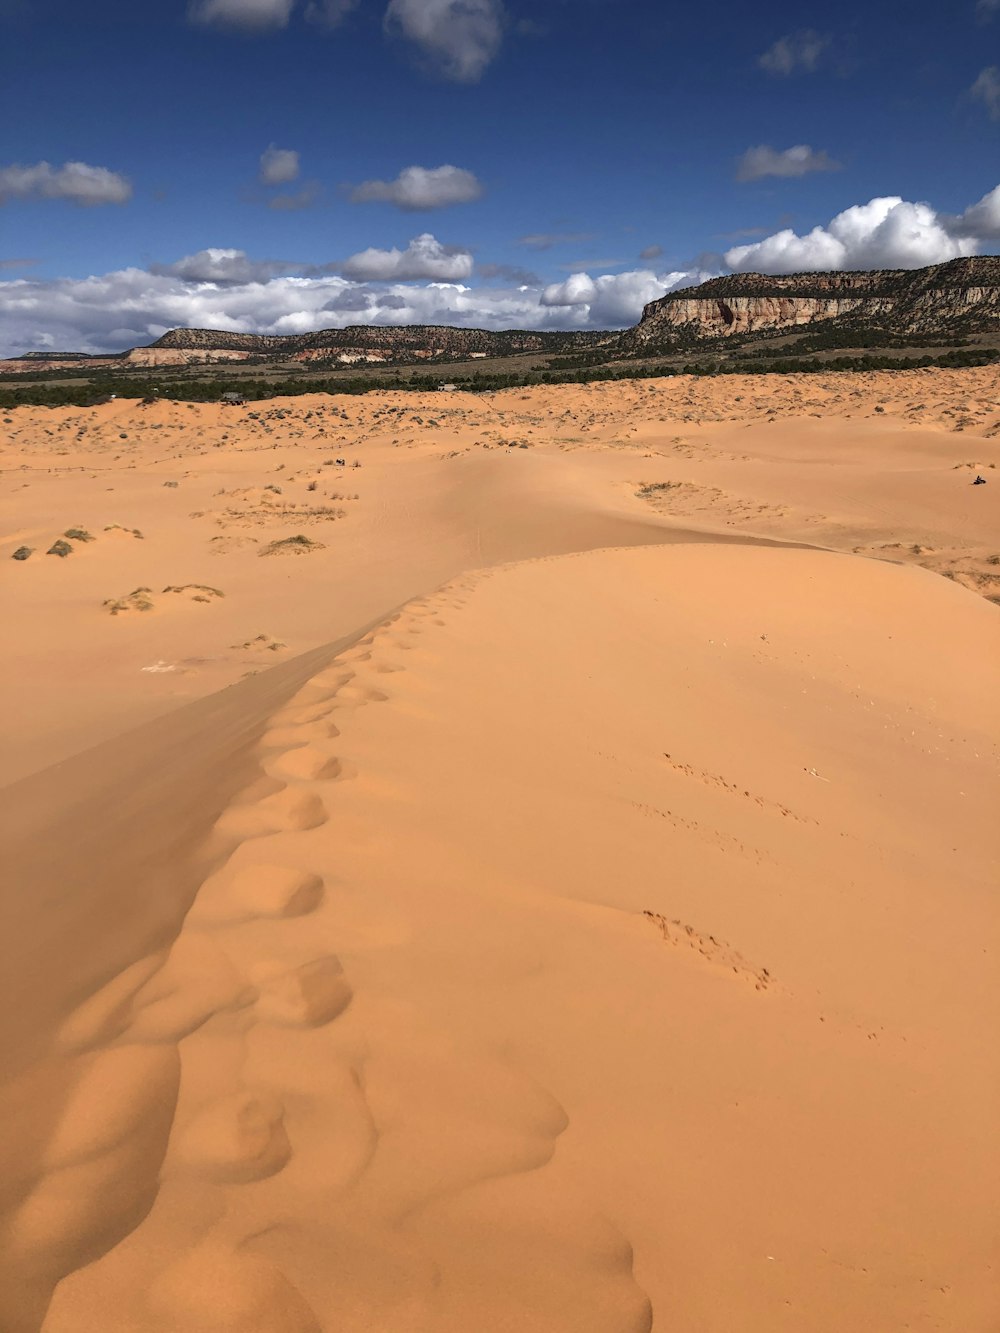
(962, 296)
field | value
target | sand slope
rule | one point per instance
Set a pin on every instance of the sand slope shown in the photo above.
(605, 942)
(881, 464)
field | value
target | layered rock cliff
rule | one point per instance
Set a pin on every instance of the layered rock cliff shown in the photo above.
(960, 297)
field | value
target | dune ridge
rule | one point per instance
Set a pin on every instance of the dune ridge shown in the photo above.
(603, 940)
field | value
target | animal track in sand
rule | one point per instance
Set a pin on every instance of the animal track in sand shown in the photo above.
(287, 810)
(257, 890)
(307, 996)
(723, 842)
(713, 780)
(235, 1140)
(711, 949)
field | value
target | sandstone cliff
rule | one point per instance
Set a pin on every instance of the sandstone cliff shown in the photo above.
(960, 297)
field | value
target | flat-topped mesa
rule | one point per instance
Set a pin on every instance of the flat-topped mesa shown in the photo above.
(961, 296)
(378, 343)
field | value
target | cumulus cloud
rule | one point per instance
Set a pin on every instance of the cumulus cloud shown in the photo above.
(884, 233)
(278, 166)
(458, 38)
(419, 189)
(986, 89)
(424, 257)
(799, 160)
(981, 220)
(613, 299)
(225, 289)
(798, 52)
(221, 266)
(83, 184)
(241, 15)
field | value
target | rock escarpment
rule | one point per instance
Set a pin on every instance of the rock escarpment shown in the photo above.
(946, 300)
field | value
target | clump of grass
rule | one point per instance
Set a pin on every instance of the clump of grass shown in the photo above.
(139, 599)
(297, 545)
(651, 488)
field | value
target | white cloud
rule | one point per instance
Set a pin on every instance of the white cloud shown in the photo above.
(222, 266)
(424, 257)
(986, 89)
(613, 299)
(459, 38)
(980, 220)
(799, 160)
(225, 289)
(243, 15)
(798, 51)
(418, 189)
(83, 184)
(884, 233)
(278, 166)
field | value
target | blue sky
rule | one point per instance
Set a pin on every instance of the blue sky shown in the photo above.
(552, 163)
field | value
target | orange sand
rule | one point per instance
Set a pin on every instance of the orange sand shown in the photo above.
(555, 938)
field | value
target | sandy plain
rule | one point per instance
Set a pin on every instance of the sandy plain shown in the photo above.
(520, 862)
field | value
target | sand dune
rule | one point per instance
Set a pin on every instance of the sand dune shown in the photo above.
(603, 940)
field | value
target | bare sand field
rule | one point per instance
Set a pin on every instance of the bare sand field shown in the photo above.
(523, 862)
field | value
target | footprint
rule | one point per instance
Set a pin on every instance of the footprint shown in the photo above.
(217, 1290)
(287, 810)
(307, 764)
(260, 890)
(237, 1139)
(308, 996)
(296, 714)
(362, 694)
(286, 737)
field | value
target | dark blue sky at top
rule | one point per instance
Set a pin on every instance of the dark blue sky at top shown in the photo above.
(616, 123)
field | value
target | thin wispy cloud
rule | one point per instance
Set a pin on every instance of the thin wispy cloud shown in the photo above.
(76, 181)
(242, 15)
(295, 202)
(330, 13)
(545, 240)
(986, 90)
(800, 160)
(420, 189)
(798, 52)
